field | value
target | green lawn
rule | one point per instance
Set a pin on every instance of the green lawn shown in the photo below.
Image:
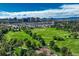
(48, 33)
(20, 35)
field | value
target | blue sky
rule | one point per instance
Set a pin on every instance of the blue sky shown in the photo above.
(16, 7)
(42, 10)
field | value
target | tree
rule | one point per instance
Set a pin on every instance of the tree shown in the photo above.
(4, 31)
(28, 43)
(51, 44)
(56, 48)
(23, 52)
(43, 42)
(34, 47)
(65, 51)
(19, 43)
(1, 35)
(19, 51)
(13, 41)
(75, 35)
(30, 52)
(25, 39)
(2, 51)
(34, 35)
(58, 38)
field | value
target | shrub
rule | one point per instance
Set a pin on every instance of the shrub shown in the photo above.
(58, 38)
(75, 35)
(65, 51)
(52, 43)
(56, 48)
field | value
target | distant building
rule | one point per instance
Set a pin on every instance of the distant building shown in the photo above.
(40, 24)
(28, 22)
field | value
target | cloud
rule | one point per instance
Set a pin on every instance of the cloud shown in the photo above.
(64, 11)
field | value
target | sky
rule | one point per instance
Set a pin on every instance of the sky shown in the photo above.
(42, 10)
(17, 7)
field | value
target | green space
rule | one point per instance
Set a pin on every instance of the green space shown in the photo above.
(48, 33)
(18, 35)
(21, 36)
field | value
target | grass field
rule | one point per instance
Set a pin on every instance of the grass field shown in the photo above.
(47, 34)
(20, 35)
